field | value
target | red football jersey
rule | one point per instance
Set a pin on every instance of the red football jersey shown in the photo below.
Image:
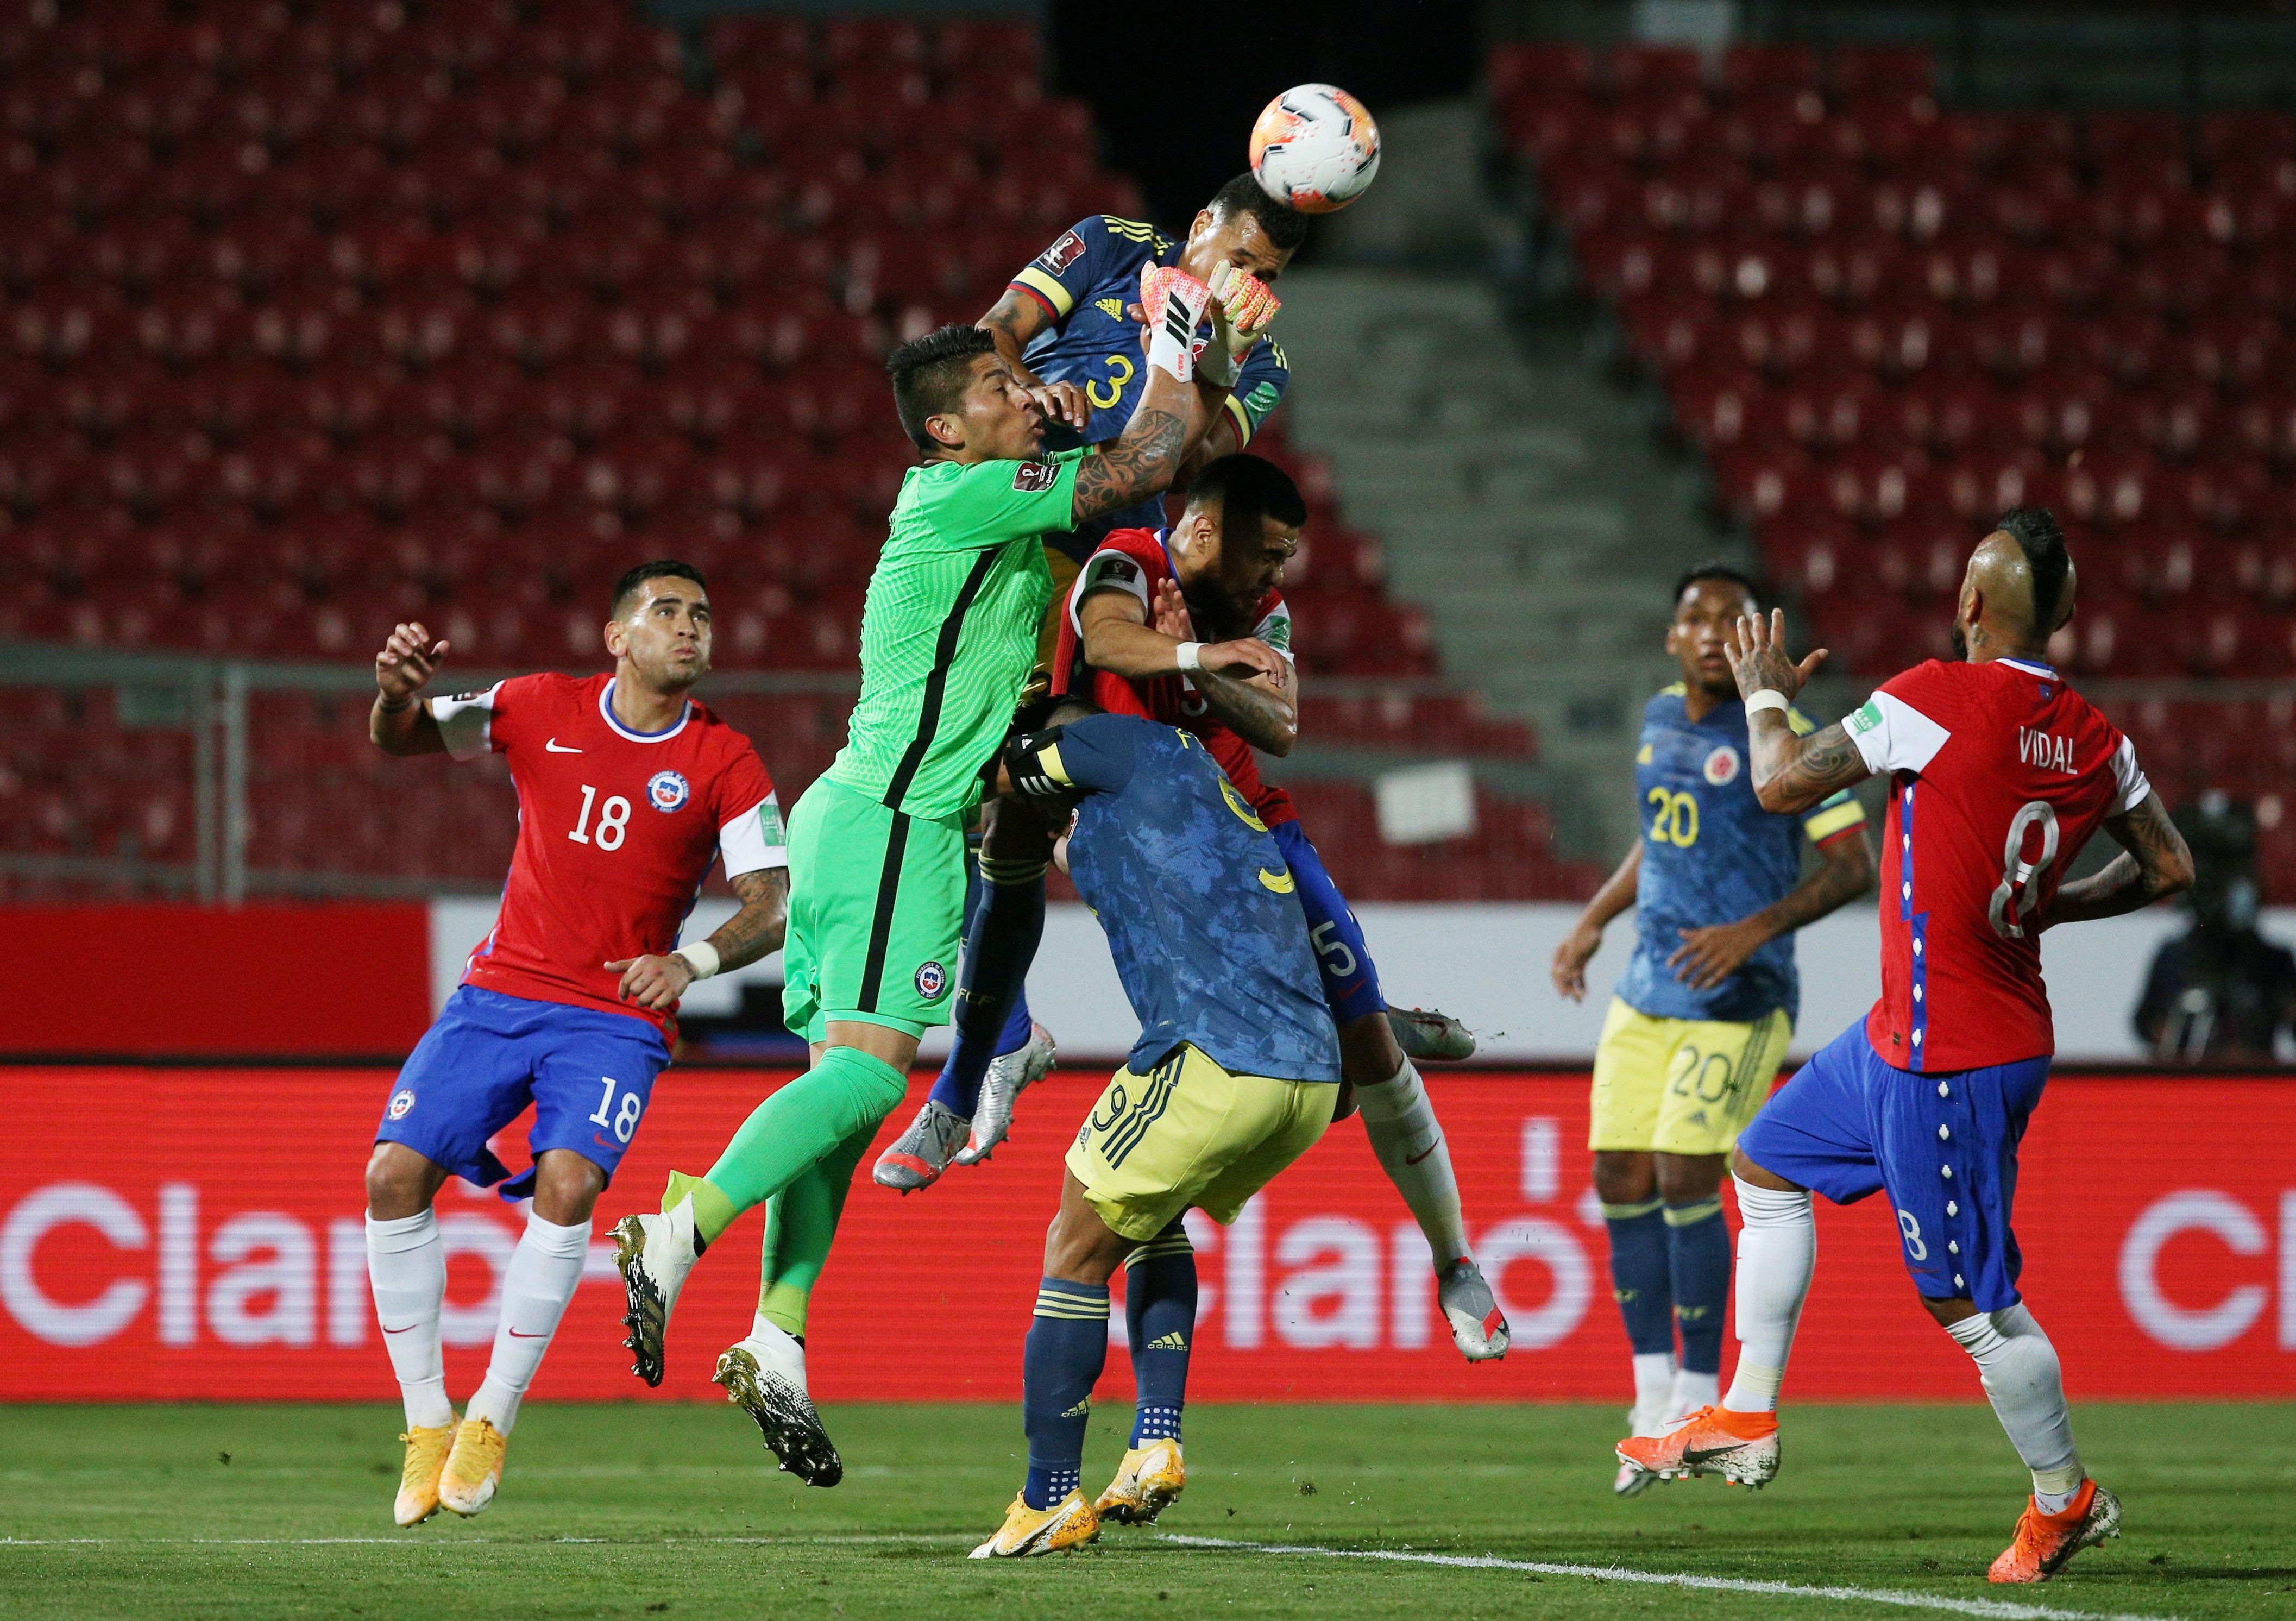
(616, 831)
(1135, 560)
(1999, 772)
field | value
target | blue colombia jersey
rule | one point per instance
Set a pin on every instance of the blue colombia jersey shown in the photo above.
(1198, 903)
(1712, 854)
(1084, 281)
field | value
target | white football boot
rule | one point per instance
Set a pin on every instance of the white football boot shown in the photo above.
(764, 1376)
(1006, 1079)
(653, 1254)
(1632, 1477)
(1478, 1327)
(918, 1156)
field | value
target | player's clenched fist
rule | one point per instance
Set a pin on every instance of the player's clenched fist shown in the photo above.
(653, 983)
(407, 662)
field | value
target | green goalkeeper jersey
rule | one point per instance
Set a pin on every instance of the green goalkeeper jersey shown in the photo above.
(949, 632)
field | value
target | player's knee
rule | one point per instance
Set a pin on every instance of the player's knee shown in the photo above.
(1368, 1053)
(398, 1183)
(1622, 1178)
(566, 1188)
(1081, 1251)
(1746, 1171)
(1685, 1179)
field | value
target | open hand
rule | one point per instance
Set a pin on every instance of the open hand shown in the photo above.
(1570, 959)
(1245, 657)
(1170, 609)
(1708, 956)
(407, 662)
(1061, 402)
(653, 983)
(1756, 648)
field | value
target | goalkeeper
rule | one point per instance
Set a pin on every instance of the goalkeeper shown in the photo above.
(877, 844)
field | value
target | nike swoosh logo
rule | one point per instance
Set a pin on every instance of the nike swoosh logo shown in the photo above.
(514, 1333)
(388, 1329)
(554, 747)
(1690, 1456)
(1415, 1159)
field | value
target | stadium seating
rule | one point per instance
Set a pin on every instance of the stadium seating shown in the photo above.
(314, 318)
(321, 317)
(1881, 321)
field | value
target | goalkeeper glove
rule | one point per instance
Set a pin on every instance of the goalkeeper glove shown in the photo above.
(1172, 301)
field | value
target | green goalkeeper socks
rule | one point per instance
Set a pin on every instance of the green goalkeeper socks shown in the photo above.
(801, 1223)
(847, 1093)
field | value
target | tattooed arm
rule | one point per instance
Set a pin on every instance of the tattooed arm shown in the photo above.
(1789, 773)
(1169, 423)
(657, 981)
(2154, 862)
(756, 929)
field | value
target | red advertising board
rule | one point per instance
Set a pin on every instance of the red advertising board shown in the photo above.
(372, 996)
(179, 1233)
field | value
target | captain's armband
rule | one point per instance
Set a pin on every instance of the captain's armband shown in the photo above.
(1033, 761)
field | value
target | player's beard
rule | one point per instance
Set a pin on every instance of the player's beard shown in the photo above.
(1960, 643)
(1218, 617)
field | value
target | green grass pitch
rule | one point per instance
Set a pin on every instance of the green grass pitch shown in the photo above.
(251, 1511)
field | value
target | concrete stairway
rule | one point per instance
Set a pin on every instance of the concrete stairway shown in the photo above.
(1520, 500)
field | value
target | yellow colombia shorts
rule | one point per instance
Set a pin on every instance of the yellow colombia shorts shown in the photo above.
(1188, 1134)
(1681, 1086)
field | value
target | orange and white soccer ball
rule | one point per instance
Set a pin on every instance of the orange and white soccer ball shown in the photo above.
(1315, 147)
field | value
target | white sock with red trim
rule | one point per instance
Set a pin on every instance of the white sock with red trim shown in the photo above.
(407, 1267)
(1777, 1256)
(1408, 1142)
(543, 1274)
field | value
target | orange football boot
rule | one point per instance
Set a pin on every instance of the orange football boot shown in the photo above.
(2045, 1541)
(1742, 1447)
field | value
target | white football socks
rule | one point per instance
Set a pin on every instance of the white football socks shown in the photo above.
(2017, 1366)
(1691, 1392)
(1654, 1387)
(545, 1271)
(779, 1351)
(1777, 1254)
(406, 1264)
(1409, 1141)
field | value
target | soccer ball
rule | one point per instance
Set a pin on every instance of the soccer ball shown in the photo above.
(1315, 147)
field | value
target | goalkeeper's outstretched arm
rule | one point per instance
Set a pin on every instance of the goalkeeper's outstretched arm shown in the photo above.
(1174, 412)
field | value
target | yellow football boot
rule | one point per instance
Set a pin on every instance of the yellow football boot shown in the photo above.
(418, 1481)
(474, 1467)
(1146, 1482)
(1069, 1523)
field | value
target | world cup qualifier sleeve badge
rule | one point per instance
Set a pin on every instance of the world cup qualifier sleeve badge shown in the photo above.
(668, 790)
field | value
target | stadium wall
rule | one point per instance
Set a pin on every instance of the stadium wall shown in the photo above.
(333, 982)
(1488, 964)
(176, 1233)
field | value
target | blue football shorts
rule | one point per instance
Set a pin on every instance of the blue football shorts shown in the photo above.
(1943, 1146)
(1350, 978)
(589, 1075)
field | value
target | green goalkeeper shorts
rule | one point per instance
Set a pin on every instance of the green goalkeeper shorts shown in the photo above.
(876, 909)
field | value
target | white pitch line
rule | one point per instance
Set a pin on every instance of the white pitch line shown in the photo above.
(414, 1539)
(1997, 1608)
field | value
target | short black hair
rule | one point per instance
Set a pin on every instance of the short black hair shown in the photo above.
(667, 568)
(1247, 490)
(1716, 570)
(2035, 530)
(930, 374)
(1287, 227)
